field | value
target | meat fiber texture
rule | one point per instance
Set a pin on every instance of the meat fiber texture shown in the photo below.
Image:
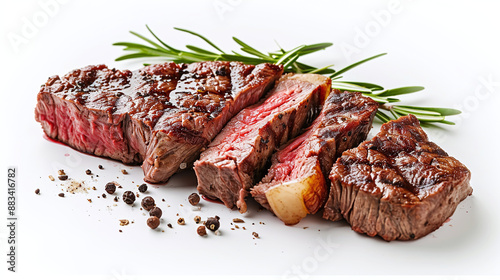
(296, 183)
(160, 115)
(398, 185)
(235, 160)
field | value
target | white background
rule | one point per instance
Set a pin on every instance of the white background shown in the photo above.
(449, 47)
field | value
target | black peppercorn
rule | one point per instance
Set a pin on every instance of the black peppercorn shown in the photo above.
(201, 231)
(143, 188)
(128, 197)
(148, 203)
(194, 199)
(110, 188)
(153, 222)
(156, 211)
(212, 223)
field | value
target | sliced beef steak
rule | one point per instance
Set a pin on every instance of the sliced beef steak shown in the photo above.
(207, 96)
(398, 185)
(235, 159)
(147, 114)
(296, 183)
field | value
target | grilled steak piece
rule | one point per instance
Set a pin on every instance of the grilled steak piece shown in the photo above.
(148, 114)
(398, 185)
(234, 161)
(296, 181)
(207, 96)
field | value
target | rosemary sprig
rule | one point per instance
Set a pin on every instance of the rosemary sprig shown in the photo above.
(289, 59)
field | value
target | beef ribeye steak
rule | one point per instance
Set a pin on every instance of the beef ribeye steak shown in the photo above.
(398, 185)
(296, 182)
(235, 160)
(160, 115)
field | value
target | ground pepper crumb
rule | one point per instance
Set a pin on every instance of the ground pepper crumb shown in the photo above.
(37, 191)
(238, 220)
(61, 194)
(51, 178)
(63, 177)
(197, 219)
(181, 221)
(88, 172)
(124, 172)
(256, 235)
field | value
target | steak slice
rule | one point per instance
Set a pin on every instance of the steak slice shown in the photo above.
(79, 109)
(207, 96)
(234, 161)
(123, 115)
(295, 184)
(398, 185)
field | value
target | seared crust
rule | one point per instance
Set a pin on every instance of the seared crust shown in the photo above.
(398, 185)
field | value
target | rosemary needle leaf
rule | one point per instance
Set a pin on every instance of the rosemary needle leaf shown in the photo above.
(148, 40)
(320, 70)
(382, 116)
(349, 87)
(161, 42)
(246, 48)
(289, 54)
(441, 111)
(200, 50)
(201, 37)
(376, 98)
(392, 100)
(314, 48)
(399, 91)
(372, 87)
(133, 55)
(415, 111)
(241, 58)
(354, 65)
(425, 118)
(291, 61)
